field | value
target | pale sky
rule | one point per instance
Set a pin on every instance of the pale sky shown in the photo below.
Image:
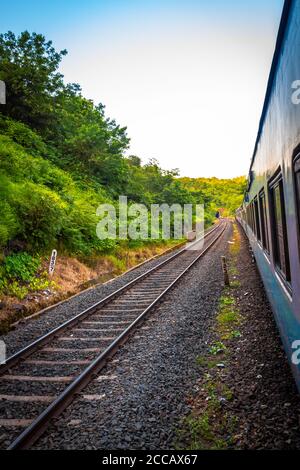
(187, 78)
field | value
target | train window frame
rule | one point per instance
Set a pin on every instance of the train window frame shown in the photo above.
(254, 220)
(280, 252)
(263, 214)
(249, 216)
(257, 219)
(252, 225)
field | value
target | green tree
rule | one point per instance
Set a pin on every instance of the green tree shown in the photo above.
(89, 144)
(29, 67)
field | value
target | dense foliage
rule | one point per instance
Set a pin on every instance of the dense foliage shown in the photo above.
(60, 157)
(224, 195)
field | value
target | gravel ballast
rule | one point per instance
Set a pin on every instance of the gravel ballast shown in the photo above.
(32, 328)
(140, 399)
(141, 394)
(247, 396)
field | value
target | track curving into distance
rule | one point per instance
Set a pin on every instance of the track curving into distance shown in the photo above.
(41, 380)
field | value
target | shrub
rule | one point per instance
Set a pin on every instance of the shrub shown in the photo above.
(20, 267)
(23, 135)
(43, 207)
(41, 214)
(14, 289)
(20, 274)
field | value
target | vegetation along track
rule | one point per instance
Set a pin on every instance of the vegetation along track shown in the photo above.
(41, 380)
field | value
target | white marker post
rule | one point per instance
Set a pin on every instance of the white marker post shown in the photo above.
(2, 92)
(2, 352)
(52, 262)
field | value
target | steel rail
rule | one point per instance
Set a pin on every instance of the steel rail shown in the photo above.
(41, 341)
(30, 435)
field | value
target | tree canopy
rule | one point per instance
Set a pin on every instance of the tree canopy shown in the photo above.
(60, 156)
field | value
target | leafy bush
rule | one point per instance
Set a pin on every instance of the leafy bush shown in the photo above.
(13, 289)
(20, 267)
(8, 223)
(20, 274)
(41, 283)
(44, 207)
(41, 214)
(23, 135)
(18, 164)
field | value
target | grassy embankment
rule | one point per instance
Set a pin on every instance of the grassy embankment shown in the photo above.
(28, 287)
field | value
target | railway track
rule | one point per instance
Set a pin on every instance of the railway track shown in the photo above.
(41, 380)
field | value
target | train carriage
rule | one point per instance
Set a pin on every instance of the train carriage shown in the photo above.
(270, 214)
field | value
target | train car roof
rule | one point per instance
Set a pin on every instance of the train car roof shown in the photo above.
(279, 42)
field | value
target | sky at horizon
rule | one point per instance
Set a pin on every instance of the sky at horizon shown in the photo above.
(187, 78)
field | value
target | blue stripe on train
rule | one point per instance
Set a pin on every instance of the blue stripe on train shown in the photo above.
(288, 324)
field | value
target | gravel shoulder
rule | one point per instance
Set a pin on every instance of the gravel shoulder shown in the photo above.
(247, 397)
(266, 397)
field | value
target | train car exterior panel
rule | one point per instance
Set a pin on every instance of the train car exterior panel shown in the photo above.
(272, 175)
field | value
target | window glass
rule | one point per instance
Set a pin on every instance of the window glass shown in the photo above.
(279, 228)
(257, 225)
(297, 181)
(264, 222)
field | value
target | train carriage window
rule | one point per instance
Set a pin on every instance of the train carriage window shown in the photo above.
(281, 253)
(297, 185)
(256, 216)
(251, 217)
(264, 221)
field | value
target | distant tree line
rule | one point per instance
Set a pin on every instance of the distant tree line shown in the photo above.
(61, 156)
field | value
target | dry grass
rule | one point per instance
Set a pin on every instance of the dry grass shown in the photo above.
(73, 275)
